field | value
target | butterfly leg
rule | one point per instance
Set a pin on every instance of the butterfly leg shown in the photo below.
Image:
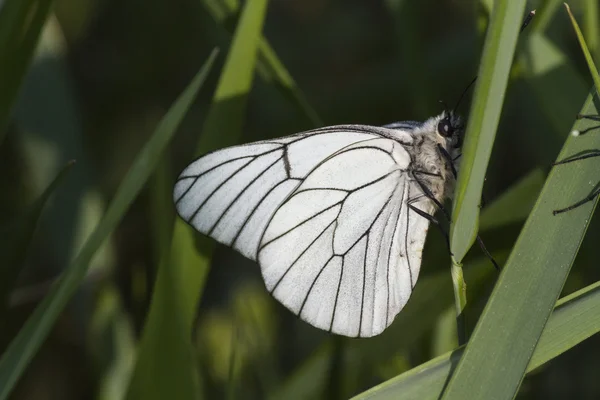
(430, 196)
(451, 162)
(582, 156)
(431, 219)
(588, 116)
(591, 197)
(588, 154)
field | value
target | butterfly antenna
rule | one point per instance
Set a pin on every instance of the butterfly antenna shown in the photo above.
(526, 22)
(487, 253)
(464, 93)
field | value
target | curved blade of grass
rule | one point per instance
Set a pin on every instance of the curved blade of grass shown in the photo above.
(584, 48)
(21, 22)
(503, 341)
(16, 236)
(165, 364)
(25, 345)
(575, 318)
(591, 26)
(492, 80)
(425, 305)
(166, 361)
(268, 65)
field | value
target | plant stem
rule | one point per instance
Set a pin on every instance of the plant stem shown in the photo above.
(460, 301)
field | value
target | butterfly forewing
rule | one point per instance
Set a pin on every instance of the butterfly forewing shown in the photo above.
(231, 194)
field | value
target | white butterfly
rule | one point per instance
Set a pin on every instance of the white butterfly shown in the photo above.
(336, 217)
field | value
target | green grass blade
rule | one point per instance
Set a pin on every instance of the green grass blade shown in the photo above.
(591, 26)
(25, 345)
(165, 364)
(503, 341)
(492, 80)
(575, 318)
(268, 65)
(224, 123)
(425, 305)
(16, 236)
(21, 22)
(274, 71)
(588, 57)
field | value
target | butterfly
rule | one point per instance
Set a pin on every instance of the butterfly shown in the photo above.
(588, 154)
(336, 217)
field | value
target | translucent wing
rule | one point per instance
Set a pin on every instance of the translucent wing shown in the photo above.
(231, 194)
(343, 252)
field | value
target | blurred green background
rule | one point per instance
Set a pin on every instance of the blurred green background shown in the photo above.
(104, 74)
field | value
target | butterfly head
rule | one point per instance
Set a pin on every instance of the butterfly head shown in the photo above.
(451, 127)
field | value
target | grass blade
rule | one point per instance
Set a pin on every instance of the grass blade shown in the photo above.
(492, 80)
(268, 65)
(16, 236)
(165, 364)
(575, 318)
(21, 22)
(591, 26)
(496, 357)
(588, 57)
(224, 123)
(24, 346)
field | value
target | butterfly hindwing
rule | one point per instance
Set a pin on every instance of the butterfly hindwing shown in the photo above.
(335, 252)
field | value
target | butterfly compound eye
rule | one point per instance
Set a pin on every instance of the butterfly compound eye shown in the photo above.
(444, 128)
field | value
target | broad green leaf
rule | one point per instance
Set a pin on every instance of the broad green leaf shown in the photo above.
(575, 318)
(34, 332)
(16, 235)
(503, 341)
(21, 22)
(487, 102)
(431, 298)
(165, 364)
